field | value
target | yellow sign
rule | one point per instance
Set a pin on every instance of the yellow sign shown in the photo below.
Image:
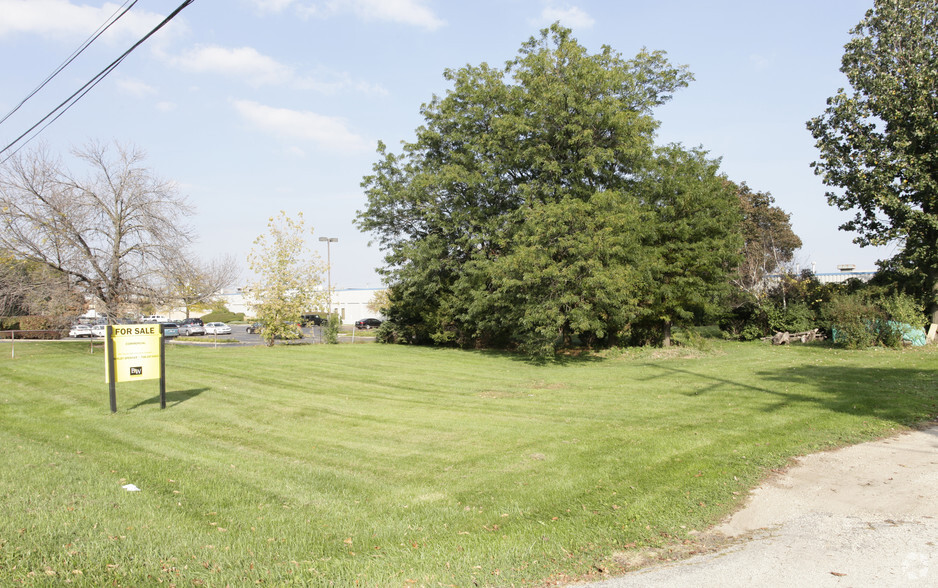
(135, 350)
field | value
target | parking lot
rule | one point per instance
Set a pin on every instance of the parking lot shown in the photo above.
(310, 335)
(239, 334)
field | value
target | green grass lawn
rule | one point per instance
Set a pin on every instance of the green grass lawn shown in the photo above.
(388, 466)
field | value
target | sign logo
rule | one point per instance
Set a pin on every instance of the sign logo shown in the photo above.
(136, 371)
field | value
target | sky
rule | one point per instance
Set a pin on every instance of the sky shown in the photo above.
(256, 106)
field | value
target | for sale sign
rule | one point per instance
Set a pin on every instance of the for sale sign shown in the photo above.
(134, 352)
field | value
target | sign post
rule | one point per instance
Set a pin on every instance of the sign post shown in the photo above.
(134, 352)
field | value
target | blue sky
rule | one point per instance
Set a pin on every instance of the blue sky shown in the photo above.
(257, 106)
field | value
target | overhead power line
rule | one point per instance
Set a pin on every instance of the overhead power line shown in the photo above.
(81, 92)
(94, 36)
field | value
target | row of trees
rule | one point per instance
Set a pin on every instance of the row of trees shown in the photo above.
(115, 232)
(118, 234)
(534, 209)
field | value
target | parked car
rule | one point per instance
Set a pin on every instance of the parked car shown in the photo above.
(258, 328)
(368, 323)
(192, 321)
(99, 331)
(191, 329)
(217, 329)
(154, 318)
(80, 331)
(312, 319)
(170, 330)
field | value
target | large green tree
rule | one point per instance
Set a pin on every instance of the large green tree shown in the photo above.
(694, 241)
(878, 140)
(516, 216)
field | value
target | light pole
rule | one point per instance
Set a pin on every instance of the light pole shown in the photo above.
(328, 241)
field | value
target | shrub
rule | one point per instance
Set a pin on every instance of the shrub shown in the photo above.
(38, 323)
(331, 329)
(903, 308)
(855, 323)
(222, 316)
(692, 338)
(10, 323)
(793, 318)
(43, 334)
(746, 322)
(870, 317)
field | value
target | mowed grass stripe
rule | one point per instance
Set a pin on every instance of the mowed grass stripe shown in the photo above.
(383, 465)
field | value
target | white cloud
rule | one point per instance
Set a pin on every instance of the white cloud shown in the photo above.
(166, 106)
(244, 62)
(761, 62)
(135, 88)
(570, 16)
(272, 5)
(60, 19)
(257, 69)
(329, 82)
(327, 132)
(409, 12)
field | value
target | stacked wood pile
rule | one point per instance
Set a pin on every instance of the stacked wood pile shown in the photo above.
(787, 338)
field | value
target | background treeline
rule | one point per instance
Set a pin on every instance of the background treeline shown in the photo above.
(534, 211)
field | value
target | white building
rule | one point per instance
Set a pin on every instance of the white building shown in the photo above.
(350, 303)
(843, 276)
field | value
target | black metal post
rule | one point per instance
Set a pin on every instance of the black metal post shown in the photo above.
(109, 361)
(162, 368)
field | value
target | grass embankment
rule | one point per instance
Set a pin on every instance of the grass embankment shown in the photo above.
(384, 465)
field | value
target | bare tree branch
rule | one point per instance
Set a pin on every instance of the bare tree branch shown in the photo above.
(110, 229)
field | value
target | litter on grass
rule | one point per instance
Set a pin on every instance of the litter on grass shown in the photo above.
(130, 488)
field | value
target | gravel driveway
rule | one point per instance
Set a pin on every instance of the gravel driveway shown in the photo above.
(865, 515)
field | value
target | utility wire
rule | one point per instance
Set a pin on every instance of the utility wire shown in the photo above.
(94, 36)
(80, 93)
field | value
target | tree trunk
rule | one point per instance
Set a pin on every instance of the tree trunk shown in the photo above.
(932, 307)
(666, 333)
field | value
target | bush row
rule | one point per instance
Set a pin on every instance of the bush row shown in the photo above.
(29, 323)
(50, 335)
(222, 316)
(854, 314)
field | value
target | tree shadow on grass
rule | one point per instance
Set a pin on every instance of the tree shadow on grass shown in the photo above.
(902, 395)
(564, 357)
(172, 398)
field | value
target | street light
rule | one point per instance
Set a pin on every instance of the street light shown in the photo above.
(328, 241)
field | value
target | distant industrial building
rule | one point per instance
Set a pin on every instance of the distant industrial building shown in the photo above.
(843, 276)
(350, 303)
(847, 271)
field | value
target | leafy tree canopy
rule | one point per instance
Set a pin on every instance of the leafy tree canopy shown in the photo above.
(769, 243)
(288, 278)
(518, 215)
(878, 140)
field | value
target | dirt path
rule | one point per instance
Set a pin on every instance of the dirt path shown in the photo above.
(865, 515)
